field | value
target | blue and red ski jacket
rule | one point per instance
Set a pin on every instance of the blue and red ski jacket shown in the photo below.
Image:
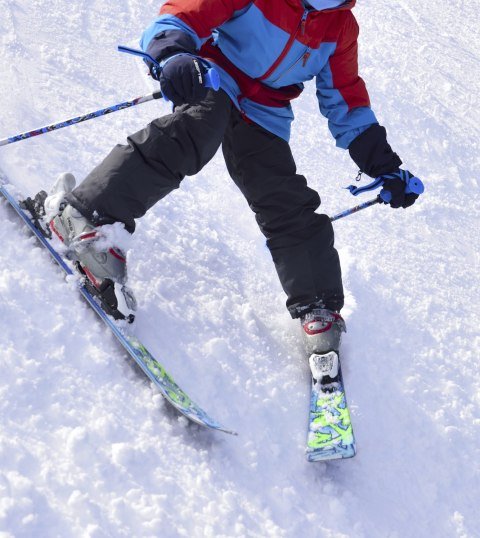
(265, 50)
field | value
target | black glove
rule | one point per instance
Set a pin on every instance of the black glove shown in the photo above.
(395, 184)
(166, 44)
(182, 80)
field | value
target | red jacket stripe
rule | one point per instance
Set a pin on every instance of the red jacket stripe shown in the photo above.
(203, 15)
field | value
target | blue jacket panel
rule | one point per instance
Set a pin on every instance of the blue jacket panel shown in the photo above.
(278, 44)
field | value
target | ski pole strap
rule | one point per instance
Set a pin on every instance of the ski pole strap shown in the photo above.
(412, 185)
(212, 78)
(378, 182)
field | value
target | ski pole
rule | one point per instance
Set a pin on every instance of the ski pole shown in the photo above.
(79, 119)
(212, 80)
(412, 185)
(347, 212)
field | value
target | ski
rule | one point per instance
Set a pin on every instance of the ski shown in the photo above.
(330, 433)
(147, 362)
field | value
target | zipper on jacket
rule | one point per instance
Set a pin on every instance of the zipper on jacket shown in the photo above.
(303, 22)
(304, 58)
(288, 46)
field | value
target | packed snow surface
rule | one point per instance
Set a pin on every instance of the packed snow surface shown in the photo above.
(87, 445)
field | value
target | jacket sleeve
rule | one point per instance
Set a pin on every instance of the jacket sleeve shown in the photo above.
(373, 154)
(184, 25)
(342, 95)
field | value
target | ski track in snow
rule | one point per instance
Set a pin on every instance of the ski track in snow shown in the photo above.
(89, 448)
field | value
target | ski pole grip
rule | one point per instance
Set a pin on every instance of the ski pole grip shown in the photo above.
(414, 185)
(212, 77)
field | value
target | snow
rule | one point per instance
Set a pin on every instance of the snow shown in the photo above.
(89, 448)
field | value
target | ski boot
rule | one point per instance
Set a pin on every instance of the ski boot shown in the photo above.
(322, 332)
(103, 266)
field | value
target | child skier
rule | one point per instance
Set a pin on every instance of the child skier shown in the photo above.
(263, 51)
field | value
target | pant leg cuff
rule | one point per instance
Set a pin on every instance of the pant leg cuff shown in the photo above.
(329, 301)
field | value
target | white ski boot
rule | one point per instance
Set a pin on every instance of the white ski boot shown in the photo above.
(322, 332)
(103, 266)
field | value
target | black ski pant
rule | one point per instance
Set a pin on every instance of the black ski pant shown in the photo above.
(135, 176)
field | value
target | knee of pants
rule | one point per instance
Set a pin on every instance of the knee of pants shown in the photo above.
(297, 222)
(319, 232)
(190, 137)
(177, 149)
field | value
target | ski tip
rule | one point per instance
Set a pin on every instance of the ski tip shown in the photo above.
(202, 419)
(230, 432)
(218, 427)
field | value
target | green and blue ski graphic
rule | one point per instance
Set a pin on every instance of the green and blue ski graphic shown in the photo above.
(330, 433)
